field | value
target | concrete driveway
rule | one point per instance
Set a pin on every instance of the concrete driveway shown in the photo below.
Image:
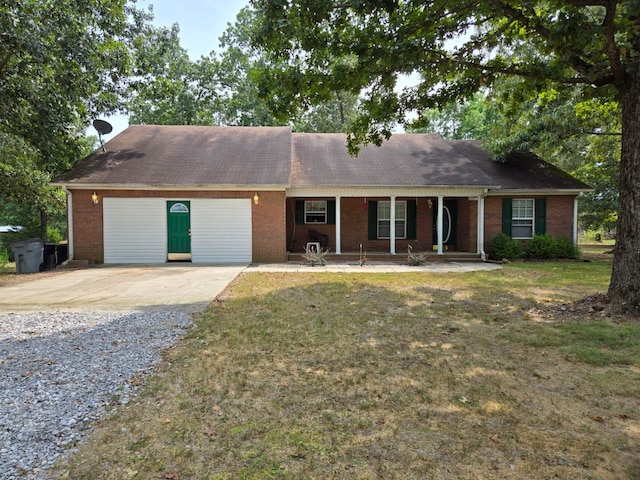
(122, 288)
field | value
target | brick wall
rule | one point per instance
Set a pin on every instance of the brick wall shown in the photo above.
(87, 227)
(268, 220)
(559, 221)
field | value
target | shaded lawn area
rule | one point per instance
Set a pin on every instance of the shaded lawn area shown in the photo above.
(485, 375)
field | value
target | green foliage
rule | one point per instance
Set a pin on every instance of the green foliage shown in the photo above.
(541, 247)
(468, 120)
(4, 256)
(219, 89)
(565, 248)
(61, 64)
(503, 246)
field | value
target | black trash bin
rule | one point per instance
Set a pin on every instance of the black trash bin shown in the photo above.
(62, 253)
(50, 256)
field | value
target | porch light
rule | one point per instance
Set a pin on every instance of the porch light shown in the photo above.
(94, 197)
(256, 198)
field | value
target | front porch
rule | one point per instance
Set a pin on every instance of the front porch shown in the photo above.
(383, 227)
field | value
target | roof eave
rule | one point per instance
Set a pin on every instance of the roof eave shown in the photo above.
(167, 187)
(501, 192)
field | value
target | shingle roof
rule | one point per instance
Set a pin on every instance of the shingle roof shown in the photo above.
(403, 160)
(520, 170)
(189, 155)
(273, 156)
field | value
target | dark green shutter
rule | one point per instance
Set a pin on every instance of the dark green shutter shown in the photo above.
(299, 212)
(541, 216)
(331, 212)
(412, 230)
(373, 220)
(506, 216)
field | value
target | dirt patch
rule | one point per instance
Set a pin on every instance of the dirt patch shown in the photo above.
(9, 278)
(589, 308)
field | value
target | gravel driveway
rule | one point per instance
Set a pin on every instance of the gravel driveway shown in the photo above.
(75, 345)
(61, 371)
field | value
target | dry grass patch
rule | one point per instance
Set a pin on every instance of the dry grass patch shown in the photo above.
(423, 376)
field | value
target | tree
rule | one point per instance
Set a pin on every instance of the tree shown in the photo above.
(458, 49)
(468, 120)
(173, 90)
(580, 137)
(61, 64)
(218, 89)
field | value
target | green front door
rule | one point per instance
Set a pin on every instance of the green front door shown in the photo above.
(178, 230)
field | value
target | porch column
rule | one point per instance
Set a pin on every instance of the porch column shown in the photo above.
(338, 235)
(480, 226)
(575, 220)
(440, 223)
(392, 234)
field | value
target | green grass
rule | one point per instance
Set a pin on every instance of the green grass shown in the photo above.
(598, 343)
(406, 376)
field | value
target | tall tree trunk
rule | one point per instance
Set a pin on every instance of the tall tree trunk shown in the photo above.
(624, 289)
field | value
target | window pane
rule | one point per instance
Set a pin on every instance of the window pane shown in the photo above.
(384, 229)
(522, 231)
(522, 208)
(315, 211)
(384, 210)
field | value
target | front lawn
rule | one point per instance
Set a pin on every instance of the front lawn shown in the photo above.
(486, 375)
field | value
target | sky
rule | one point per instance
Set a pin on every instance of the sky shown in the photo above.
(201, 22)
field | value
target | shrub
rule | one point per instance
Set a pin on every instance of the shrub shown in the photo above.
(542, 247)
(504, 246)
(313, 258)
(4, 257)
(415, 259)
(565, 248)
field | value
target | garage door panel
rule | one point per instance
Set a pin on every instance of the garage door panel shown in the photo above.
(221, 230)
(135, 230)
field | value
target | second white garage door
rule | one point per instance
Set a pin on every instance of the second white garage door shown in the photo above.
(135, 230)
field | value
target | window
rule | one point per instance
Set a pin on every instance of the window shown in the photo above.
(179, 208)
(315, 211)
(384, 219)
(522, 218)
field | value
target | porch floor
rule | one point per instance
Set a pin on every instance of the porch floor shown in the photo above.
(382, 257)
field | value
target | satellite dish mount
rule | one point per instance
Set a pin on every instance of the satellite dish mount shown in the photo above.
(103, 128)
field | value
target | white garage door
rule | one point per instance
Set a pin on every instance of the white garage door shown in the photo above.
(221, 230)
(135, 230)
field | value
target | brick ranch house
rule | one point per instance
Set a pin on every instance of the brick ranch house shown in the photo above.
(260, 194)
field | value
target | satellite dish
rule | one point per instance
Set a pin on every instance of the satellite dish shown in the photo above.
(103, 128)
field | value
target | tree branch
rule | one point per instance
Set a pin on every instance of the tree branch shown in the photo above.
(610, 43)
(575, 61)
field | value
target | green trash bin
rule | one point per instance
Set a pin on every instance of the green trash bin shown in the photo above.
(28, 255)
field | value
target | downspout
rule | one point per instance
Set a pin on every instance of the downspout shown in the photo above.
(69, 221)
